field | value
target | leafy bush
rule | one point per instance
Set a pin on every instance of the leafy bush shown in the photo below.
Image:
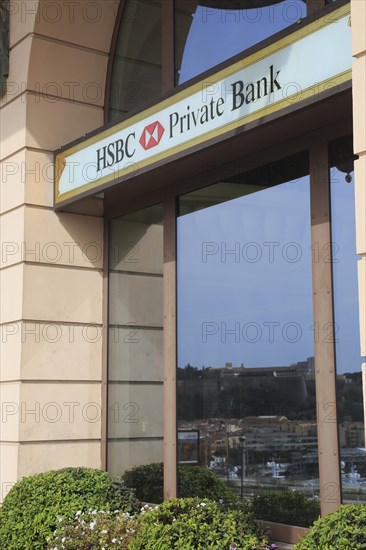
(147, 480)
(94, 530)
(193, 523)
(344, 529)
(31, 509)
(193, 481)
(287, 507)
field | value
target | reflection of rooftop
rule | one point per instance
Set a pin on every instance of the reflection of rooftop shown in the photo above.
(299, 368)
(264, 419)
(273, 396)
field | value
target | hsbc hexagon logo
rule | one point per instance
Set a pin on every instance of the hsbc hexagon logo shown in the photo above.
(151, 135)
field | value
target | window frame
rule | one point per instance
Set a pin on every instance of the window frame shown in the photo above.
(328, 445)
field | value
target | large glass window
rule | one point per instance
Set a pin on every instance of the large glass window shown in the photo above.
(245, 330)
(246, 397)
(345, 292)
(135, 373)
(209, 32)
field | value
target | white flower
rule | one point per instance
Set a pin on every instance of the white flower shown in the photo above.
(114, 541)
(63, 539)
(59, 519)
(78, 513)
(104, 531)
(92, 524)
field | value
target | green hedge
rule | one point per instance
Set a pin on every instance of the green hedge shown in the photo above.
(197, 524)
(193, 481)
(287, 507)
(32, 508)
(344, 529)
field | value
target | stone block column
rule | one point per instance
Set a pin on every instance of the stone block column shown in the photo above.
(51, 263)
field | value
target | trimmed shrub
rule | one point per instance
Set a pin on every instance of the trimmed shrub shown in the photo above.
(31, 509)
(286, 507)
(147, 480)
(193, 481)
(94, 530)
(344, 529)
(193, 523)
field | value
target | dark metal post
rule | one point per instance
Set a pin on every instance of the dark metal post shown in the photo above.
(242, 447)
(4, 45)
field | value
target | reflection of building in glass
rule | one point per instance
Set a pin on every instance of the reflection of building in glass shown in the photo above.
(351, 434)
(274, 407)
(237, 392)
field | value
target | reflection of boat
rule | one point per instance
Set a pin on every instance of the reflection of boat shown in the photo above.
(276, 469)
(352, 478)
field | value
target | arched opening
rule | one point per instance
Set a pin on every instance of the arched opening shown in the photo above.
(200, 34)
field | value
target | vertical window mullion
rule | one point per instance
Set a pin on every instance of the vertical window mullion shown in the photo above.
(170, 354)
(167, 46)
(105, 345)
(325, 372)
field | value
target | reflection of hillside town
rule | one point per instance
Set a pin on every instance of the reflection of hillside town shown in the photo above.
(274, 408)
(238, 392)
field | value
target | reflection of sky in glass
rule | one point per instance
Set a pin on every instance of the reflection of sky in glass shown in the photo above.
(270, 298)
(215, 35)
(345, 273)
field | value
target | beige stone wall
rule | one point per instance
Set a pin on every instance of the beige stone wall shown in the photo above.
(359, 121)
(51, 264)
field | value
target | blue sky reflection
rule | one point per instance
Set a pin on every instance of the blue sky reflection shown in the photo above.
(262, 291)
(215, 35)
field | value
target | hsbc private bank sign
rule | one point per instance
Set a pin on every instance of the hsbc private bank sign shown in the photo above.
(300, 66)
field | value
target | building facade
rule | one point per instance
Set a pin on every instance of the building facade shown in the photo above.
(93, 283)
